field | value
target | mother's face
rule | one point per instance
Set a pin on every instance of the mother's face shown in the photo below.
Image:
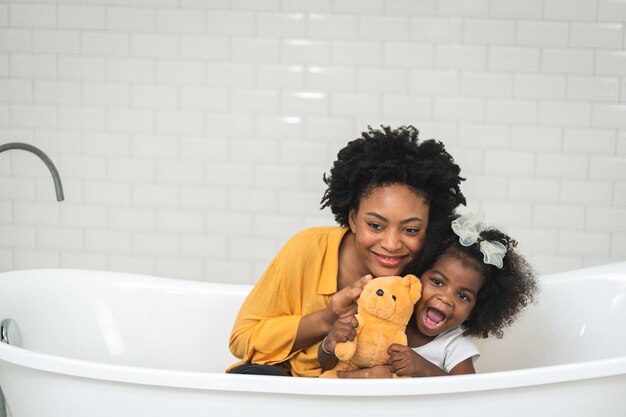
(390, 229)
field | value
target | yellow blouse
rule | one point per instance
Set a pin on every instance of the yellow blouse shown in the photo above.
(299, 281)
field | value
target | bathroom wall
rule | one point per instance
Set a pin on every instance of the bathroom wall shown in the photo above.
(192, 135)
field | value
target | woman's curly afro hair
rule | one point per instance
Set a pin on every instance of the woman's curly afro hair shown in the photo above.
(386, 157)
(396, 156)
(504, 292)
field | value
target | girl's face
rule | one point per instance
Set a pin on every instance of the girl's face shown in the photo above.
(389, 229)
(449, 291)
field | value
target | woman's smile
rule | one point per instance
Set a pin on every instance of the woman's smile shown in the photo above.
(387, 261)
(389, 228)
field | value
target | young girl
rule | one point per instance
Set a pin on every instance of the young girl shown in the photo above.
(476, 287)
(390, 194)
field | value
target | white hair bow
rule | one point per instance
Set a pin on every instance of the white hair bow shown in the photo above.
(468, 227)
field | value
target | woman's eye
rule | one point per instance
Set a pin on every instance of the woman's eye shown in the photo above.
(412, 230)
(375, 226)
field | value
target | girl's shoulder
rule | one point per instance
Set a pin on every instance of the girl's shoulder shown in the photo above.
(451, 337)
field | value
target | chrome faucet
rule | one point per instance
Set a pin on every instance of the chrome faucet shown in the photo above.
(5, 326)
(58, 187)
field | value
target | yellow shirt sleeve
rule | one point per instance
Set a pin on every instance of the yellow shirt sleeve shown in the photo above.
(267, 324)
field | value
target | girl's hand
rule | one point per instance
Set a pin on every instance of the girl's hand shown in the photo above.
(343, 302)
(379, 371)
(344, 330)
(403, 361)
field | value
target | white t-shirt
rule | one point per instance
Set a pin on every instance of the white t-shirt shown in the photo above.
(449, 349)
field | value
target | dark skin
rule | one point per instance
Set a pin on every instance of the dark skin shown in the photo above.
(343, 330)
(451, 287)
(404, 361)
(314, 326)
(386, 232)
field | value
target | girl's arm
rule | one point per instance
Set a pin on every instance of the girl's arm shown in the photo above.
(404, 361)
(463, 368)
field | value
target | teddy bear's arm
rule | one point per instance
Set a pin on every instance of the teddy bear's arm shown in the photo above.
(400, 338)
(344, 351)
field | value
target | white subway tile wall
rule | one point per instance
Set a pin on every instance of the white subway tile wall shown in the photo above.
(192, 135)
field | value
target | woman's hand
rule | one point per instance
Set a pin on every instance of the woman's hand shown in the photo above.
(343, 302)
(379, 371)
(313, 327)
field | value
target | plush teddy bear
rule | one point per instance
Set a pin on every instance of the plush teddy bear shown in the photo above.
(384, 309)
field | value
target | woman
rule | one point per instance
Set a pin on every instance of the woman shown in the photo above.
(390, 194)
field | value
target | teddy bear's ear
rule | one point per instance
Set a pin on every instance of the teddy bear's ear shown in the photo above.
(415, 287)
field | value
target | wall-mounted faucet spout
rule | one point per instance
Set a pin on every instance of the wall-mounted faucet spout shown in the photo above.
(46, 160)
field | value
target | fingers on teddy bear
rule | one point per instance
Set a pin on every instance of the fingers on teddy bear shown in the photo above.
(343, 303)
(343, 330)
(384, 309)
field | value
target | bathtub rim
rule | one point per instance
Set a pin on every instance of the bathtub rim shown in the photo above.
(500, 380)
(312, 386)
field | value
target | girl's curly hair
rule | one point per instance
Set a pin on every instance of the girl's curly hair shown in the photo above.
(395, 156)
(504, 292)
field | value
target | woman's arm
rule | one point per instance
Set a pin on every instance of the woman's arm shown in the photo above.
(327, 360)
(315, 326)
(268, 321)
(344, 330)
(265, 327)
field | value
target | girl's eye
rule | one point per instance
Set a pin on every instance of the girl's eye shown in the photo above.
(464, 297)
(437, 282)
(412, 230)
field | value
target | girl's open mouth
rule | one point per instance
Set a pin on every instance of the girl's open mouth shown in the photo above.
(433, 318)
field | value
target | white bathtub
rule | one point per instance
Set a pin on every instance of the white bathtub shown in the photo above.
(113, 344)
